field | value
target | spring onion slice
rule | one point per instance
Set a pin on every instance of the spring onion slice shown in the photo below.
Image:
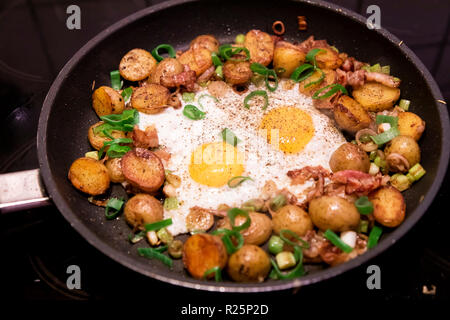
(317, 81)
(152, 253)
(216, 60)
(233, 213)
(114, 205)
(126, 94)
(386, 136)
(135, 238)
(404, 104)
(170, 203)
(259, 68)
(158, 225)
(374, 236)
(228, 53)
(273, 74)
(170, 50)
(257, 93)
(305, 244)
(115, 150)
(188, 96)
(237, 181)
(298, 271)
(203, 96)
(226, 239)
(299, 73)
(193, 113)
(363, 205)
(333, 89)
(219, 72)
(122, 122)
(116, 83)
(217, 273)
(311, 55)
(229, 137)
(393, 121)
(334, 239)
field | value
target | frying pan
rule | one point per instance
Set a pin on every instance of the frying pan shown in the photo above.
(67, 114)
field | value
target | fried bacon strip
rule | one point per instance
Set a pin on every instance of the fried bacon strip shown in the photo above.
(359, 182)
(187, 78)
(300, 176)
(145, 139)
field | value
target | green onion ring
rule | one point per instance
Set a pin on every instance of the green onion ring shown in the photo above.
(317, 81)
(115, 205)
(229, 52)
(217, 273)
(152, 253)
(274, 75)
(232, 213)
(334, 239)
(311, 55)
(257, 93)
(293, 234)
(170, 50)
(193, 113)
(386, 136)
(298, 271)
(235, 185)
(259, 68)
(393, 121)
(363, 205)
(297, 74)
(158, 225)
(116, 83)
(216, 60)
(226, 239)
(374, 236)
(335, 87)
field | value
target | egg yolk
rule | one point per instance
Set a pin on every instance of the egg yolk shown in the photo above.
(289, 127)
(214, 164)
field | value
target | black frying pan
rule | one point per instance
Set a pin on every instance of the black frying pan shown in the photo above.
(67, 112)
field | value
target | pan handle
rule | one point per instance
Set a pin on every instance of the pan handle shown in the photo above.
(22, 190)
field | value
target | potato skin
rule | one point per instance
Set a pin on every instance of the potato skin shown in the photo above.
(350, 115)
(405, 146)
(287, 56)
(376, 97)
(349, 157)
(202, 252)
(259, 231)
(293, 218)
(237, 72)
(89, 176)
(143, 169)
(389, 206)
(260, 45)
(106, 100)
(142, 209)
(333, 212)
(410, 124)
(198, 59)
(150, 99)
(328, 59)
(205, 41)
(164, 72)
(249, 264)
(115, 170)
(97, 140)
(136, 65)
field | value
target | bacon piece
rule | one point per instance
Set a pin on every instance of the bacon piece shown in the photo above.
(316, 242)
(310, 43)
(187, 78)
(145, 139)
(359, 182)
(300, 176)
(383, 78)
(351, 64)
(206, 75)
(333, 256)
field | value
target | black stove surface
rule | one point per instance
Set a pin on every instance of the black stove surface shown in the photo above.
(39, 245)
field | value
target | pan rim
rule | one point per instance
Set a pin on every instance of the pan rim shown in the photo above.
(124, 259)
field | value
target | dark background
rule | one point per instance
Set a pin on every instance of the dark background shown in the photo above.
(37, 246)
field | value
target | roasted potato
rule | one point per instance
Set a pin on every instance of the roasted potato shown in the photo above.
(218, 88)
(164, 72)
(198, 59)
(143, 169)
(142, 209)
(114, 167)
(288, 57)
(333, 212)
(293, 218)
(150, 99)
(410, 124)
(237, 72)
(328, 59)
(259, 231)
(260, 45)
(330, 77)
(388, 206)
(249, 264)
(89, 176)
(205, 41)
(137, 65)
(202, 252)
(404, 146)
(350, 115)
(374, 96)
(106, 100)
(199, 219)
(97, 139)
(349, 157)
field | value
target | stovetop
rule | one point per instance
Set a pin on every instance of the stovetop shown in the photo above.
(39, 245)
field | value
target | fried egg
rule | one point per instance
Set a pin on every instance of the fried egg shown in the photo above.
(288, 134)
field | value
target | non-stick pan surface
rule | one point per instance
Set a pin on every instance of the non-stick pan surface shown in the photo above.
(67, 112)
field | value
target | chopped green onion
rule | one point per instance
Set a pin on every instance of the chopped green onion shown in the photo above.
(226, 239)
(318, 81)
(126, 94)
(228, 52)
(386, 136)
(114, 205)
(257, 93)
(275, 244)
(203, 96)
(115, 150)
(285, 260)
(365, 138)
(152, 253)
(92, 154)
(298, 271)
(161, 249)
(400, 182)
(291, 233)
(404, 104)
(158, 225)
(176, 249)
(237, 181)
(229, 137)
(135, 238)
(262, 70)
(373, 155)
(334, 239)
(363, 205)
(240, 38)
(188, 96)
(170, 203)
(363, 226)
(116, 83)
(333, 89)
(217, 273)
(259, 68)
(219, 72)
(386, 69)
(167, 47)
(216, 60)
(311, 55)
(375, 68)
(193, 113)
(299, 73)
(393, 121)
(164, 236)
(277, 202)
(417, 172)
(273, 74)
(121, 122)
(233, 213)
(374, 236)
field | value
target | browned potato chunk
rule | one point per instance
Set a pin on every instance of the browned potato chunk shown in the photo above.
(114, 167)
(260, 45)
(349, 157)
(330, 77)
(288, 57)
(106, 100)
(97, 139)
(404, 146)
(142, 209)
(350, 115)
(143, 169)
(198, 59)
(150, 99)
(205, 41)
(249, 264)
(333, 212)
(388, 206)
(259, 231)
(237, 72)
(202, 252)
(199, 219)
(328, 59)
(293, 218)
(137, 65)
(410, 124)
(374, 96)
(164, 72)
(89, 176)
